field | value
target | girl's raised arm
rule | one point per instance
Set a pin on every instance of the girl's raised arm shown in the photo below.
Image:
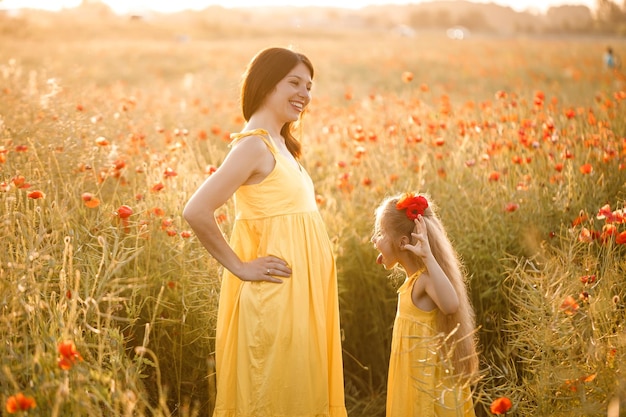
(436, 284)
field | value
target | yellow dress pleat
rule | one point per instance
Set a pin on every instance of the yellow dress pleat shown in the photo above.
(278, 349)
(418, 384)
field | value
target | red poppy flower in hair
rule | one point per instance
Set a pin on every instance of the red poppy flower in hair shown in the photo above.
(414, 205)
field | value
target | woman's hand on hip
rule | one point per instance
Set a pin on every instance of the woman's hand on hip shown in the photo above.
(266, 268)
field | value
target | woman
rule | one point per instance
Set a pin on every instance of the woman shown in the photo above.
(278, 349)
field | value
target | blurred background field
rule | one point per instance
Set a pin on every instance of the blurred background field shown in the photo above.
(108, 124)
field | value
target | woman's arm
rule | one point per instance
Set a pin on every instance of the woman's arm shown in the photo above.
(248, 162)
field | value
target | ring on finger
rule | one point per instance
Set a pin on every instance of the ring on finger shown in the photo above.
(268, 272)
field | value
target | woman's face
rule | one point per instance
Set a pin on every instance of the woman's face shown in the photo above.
(291, 95)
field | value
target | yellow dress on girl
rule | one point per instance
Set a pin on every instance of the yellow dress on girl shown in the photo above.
(278, 348)
(418, 384)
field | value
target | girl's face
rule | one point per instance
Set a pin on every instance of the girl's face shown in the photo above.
(292, 94)
(386, 245)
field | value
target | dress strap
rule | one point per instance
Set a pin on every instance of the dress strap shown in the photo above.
(410, 280)
(236, 137)
(416, 274)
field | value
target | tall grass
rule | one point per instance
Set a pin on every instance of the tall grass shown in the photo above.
(498, 131)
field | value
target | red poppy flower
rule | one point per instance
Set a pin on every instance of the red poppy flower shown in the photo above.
(169, 172)
(166, 223)
(157, 187)
(65, 363)
(608, 230)
(605, 213)
(588, 378)
(586, 169)
(500, 405)
(124, 211)
(571, 384)
(591, 118)
(67, 349)
(620, 239)
(582, 217)
(414, 205)
(119, 164)
(20, 182)
(102, 141)
(35, 194)
(569, 305)
(585, 235)
(511, 207)
(588, 279)
(407, 76)
(90, 200)
(68, 355)
(19, 402)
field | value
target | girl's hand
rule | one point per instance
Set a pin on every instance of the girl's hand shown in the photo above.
(421, 247)
(266, 268)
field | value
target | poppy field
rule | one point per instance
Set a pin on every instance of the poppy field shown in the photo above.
(108, 301)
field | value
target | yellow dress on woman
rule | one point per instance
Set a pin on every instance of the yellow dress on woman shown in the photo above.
(278, 348)
(418, 384)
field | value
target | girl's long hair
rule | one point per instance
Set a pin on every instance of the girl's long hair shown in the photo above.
(264, 71)
(457, 329)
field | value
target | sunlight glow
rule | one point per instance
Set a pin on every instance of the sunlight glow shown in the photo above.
(165, 6)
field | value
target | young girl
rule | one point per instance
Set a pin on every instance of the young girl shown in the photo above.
(433, 352)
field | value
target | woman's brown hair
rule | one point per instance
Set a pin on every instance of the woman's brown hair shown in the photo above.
(265, 70)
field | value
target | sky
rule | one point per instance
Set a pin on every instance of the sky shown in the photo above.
(126, 6)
